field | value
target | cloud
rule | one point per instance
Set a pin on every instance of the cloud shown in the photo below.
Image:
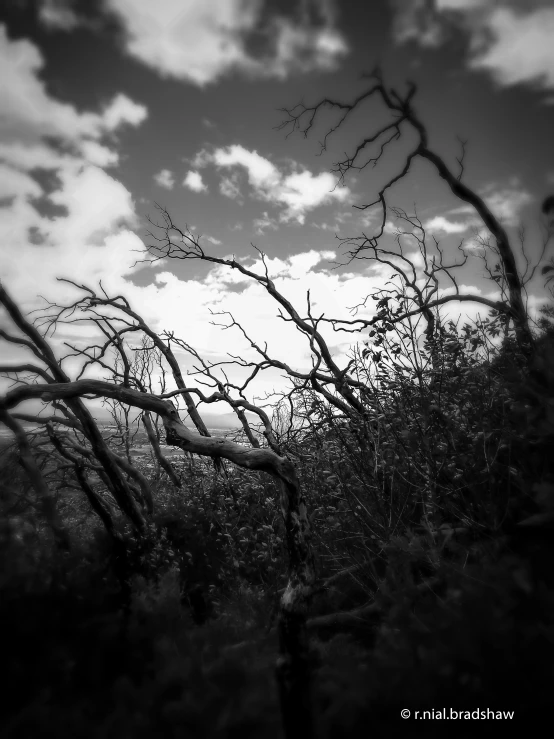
(506, 203)
(91, 241)
(222, 289)
(30, 113)
(521, 50)
(74, 219)
(98, 154)
(442, 224)
(165, 179)
(303, 191)
(227, 290)
(295, 191)
(58, 15)
(262, 173)
(14, 183)
(200, 42)
(193, 181)
(460, 5)
(414, 20)
(478, 244)
(229, 187)
(264, 223)
(510, 39)
(122, 110)
(335, 228)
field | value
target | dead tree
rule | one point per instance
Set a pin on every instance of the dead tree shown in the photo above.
(33, 340)
(59, 389)
(370, 151)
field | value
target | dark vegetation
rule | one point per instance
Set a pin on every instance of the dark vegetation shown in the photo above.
(424, 470)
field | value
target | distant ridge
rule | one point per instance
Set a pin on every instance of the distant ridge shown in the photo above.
(212, 420)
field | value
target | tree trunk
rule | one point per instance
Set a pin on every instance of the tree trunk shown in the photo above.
(294, 665)
(162, 461)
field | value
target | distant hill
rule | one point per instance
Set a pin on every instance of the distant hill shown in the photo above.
(212, 420)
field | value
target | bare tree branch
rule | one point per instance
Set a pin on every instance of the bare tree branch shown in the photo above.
(302, 118)
(27, 461)
(43, 350)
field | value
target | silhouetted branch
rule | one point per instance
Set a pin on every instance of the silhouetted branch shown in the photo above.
(302, 118)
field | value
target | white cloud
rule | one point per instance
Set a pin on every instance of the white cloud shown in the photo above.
(414, 20)
(28, 109)
(14, 183)
(303, 191)
(123, 110)
(212, 240)
(98, 154)
(510, 39)
(440, 223)
(478, 244)
(230, 188)
(223, 289)
(296, 192)
(262, 174)
(201, 41)
(91, 241)
(368, 218)
(228, 290)
(507, 202)
(461, 5)
(164, 178)
(521, 50)
(193, 181)
(58, 15)
(335, 228)
(298, 266)
(94, 201)
(264, 223)
(344, 216)
(89, 236)
(28, 156)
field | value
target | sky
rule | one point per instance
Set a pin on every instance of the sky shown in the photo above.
(109, 108)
